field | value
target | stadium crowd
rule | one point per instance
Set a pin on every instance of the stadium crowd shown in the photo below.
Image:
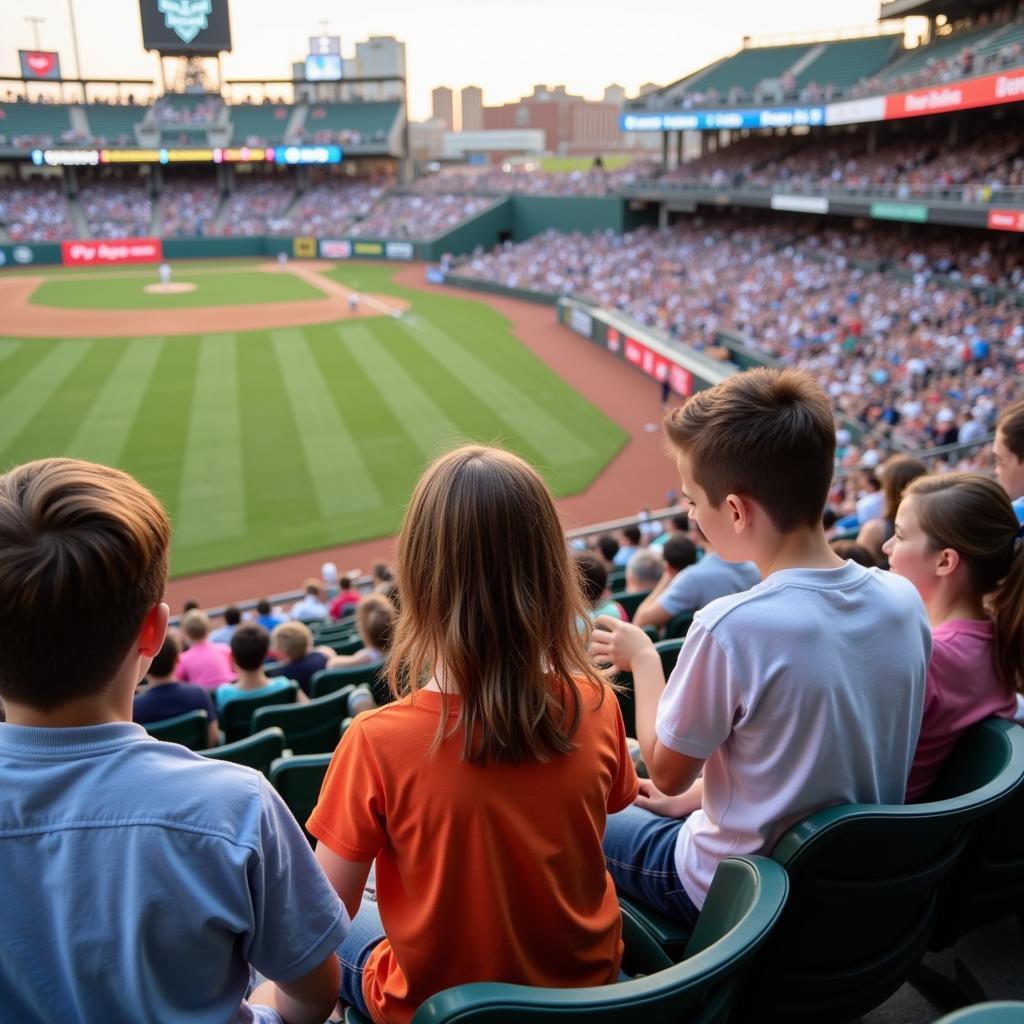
(257, 206)
(908, 358)
(418, 216)
(187, 206)
(35, 211)
(331, 207)
(117, 208)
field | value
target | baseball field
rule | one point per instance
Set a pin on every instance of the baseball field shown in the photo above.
(271, 411)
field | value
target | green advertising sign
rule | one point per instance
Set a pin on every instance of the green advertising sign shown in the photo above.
(900, 211)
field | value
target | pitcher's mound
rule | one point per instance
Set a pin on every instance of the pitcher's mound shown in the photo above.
(174, 288)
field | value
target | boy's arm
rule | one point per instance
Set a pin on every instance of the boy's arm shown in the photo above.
(347, 876)
(306, 1000)
(650, 612)
(630, 649)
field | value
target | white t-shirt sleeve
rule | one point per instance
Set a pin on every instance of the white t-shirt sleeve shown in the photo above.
(703, 698)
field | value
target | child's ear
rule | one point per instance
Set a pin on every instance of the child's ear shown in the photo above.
(154, 630)
(948, 560)
(739, 511)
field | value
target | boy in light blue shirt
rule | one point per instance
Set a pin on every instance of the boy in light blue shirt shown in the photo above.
(140, 881)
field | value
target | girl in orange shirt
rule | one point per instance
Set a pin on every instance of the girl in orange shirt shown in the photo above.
(482, 792)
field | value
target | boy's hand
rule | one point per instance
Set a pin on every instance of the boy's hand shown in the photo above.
(652, 799)
(618, 643)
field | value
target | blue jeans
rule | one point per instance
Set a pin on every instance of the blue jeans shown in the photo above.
(639, 848)
(364, 936)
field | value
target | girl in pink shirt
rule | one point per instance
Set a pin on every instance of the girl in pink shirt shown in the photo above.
(957, 540)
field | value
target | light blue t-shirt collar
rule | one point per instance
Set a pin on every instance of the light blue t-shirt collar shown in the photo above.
(68, 742)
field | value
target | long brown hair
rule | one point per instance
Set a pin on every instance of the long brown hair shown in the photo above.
(490, 597)
(972, 515)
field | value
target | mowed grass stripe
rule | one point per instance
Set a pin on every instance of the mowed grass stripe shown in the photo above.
(422, 418)
(154, 452)
(25, 358)
(340, 478)
(525, 418)
(104, 432)
(35, 389)
(211, 496)
(8, 346)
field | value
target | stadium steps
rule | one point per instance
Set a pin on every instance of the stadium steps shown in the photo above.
(78, 218)
(748, 68)
(843, 63)
(79, 122)
(215, 225)
(807, 59)
(296, 123)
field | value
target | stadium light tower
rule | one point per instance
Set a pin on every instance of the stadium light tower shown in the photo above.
(74, 38)
(35, 21)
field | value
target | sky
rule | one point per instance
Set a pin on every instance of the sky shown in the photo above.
(503, 47)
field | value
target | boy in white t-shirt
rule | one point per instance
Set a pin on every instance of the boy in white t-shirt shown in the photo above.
(803, 692)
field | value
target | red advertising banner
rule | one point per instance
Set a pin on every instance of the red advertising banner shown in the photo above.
(1006, 220)
(115, 250)
(659, 367)
(1006, 87)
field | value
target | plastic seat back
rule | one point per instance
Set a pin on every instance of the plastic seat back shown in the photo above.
(298, 781)
(678, 626)
(989, 883)
(191, 730)
(865, 888)
(330, 680)
(258, 751)
(630, 602)
(310, 728)
(743, 905)
(236, 718)
(668, 651)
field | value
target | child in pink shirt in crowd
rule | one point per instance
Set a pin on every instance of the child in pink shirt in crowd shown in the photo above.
(204, 663)
(957, 540)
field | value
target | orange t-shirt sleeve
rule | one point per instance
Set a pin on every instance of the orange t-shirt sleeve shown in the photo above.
(625, 785)
(350, 817)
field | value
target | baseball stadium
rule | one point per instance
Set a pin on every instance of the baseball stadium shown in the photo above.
(707, 400)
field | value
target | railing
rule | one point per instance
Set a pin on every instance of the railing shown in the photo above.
(982, 195)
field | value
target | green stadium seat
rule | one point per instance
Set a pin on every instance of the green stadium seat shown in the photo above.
(669, 653)
(257, 751)
(743, 905)
(266, 122)
(310, 728)
(330, 680)
(847, 61)
(1002, 1012)
(630, 602)
(989, 881)
(616, 579)
(236, 718)
(678, 626)
(298, 781)
(191, 730)
(866, 884)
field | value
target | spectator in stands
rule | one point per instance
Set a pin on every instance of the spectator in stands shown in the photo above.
(249, 646)
(347, 597)
(525, 737)
(311, 608)
(265, 615)
(628, 546)
(898, 472)
(643, 571)
(382, 578)
(375, 619)
(204, 663)
(606, 547)
(295, 642)
(870, 501)
(1008, 449)
(594, 581)
(679, 553)
(850, 549)
(690, 590)
(679, 524)
(772, 684)
(958, 541)
(140, 881)
(232, 619)
(165, 697)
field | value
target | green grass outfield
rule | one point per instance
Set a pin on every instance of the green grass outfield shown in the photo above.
(213, 287)
(266, 443)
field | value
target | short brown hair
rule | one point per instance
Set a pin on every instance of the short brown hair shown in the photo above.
(375, 617)
(195, 624)
(1011, 425)
(249, 646)
(83, 548)
(898, 473)
(768, 435)
(293, 639)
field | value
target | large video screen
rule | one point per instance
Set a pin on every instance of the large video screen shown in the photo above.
(42, 64)
(185, 28)
(323, 67)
